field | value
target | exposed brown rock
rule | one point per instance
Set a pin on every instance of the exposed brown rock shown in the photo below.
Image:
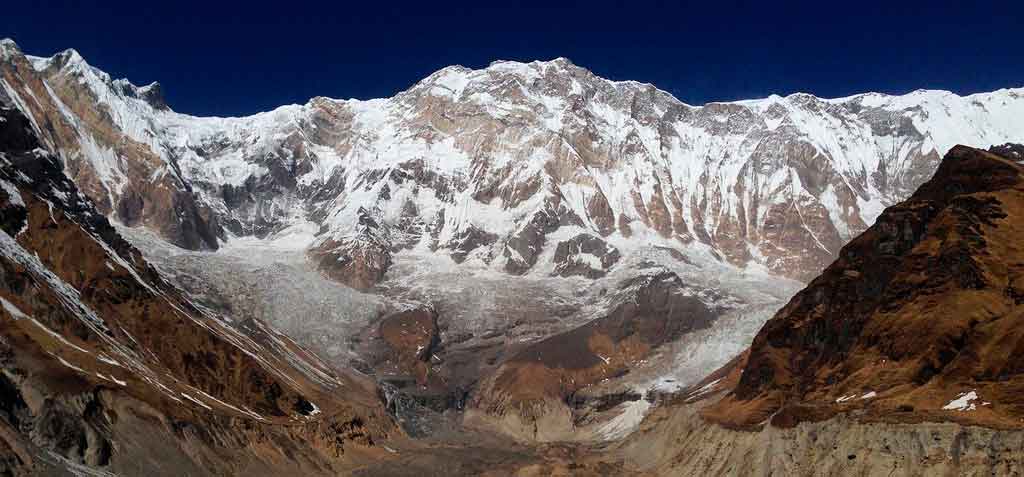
(414, 337)
(153, 194)
(468, 240)
(799, 237)
(658, 213)
(601, 214)
(360, 260)
(624, 227)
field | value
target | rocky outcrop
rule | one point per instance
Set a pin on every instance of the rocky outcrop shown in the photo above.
(413, 337)
(677, 441)
(527, 396)
(74, 110)
(465, 242)
(360, 260)
(524, 247)
(585, 255)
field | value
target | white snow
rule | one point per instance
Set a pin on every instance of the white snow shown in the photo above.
(71, 467)
(69, 365)
(703, 390)
(201, 403)
(963, 402)
(112, 379)
(630, 416)
(12, 310)
(106, 359)
(12, 193)
(59, 337)
(589, 259)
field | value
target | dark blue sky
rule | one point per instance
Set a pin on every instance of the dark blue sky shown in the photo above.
(228, 59)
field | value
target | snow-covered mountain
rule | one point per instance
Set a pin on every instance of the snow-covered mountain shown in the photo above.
(564, 248)
(538, 167)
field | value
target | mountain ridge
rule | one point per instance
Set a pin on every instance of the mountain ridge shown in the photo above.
(9, 42)
(778, 182)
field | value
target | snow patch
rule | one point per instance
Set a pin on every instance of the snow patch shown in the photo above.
(69, 365)
(589, 259)
(12, 310)
(627, 420)
(703, 390)
(963, 402)
(201, 403)
(111, 379)
(12, 193)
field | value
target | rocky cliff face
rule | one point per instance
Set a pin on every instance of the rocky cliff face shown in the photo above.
(73, 108)
(678, 441)
(104, 364)
(486, 164)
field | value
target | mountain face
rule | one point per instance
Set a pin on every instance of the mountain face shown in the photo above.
(901, 358)
(106, 366)
(526, 248)
(512, 166)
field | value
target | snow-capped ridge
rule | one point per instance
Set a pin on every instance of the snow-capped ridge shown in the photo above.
(480, 158)
(560, 61)
(8, 48)
(71, 58)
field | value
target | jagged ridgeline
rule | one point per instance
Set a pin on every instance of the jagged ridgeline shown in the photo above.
(491, 164)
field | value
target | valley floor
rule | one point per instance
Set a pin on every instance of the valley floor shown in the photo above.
(484, 316)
